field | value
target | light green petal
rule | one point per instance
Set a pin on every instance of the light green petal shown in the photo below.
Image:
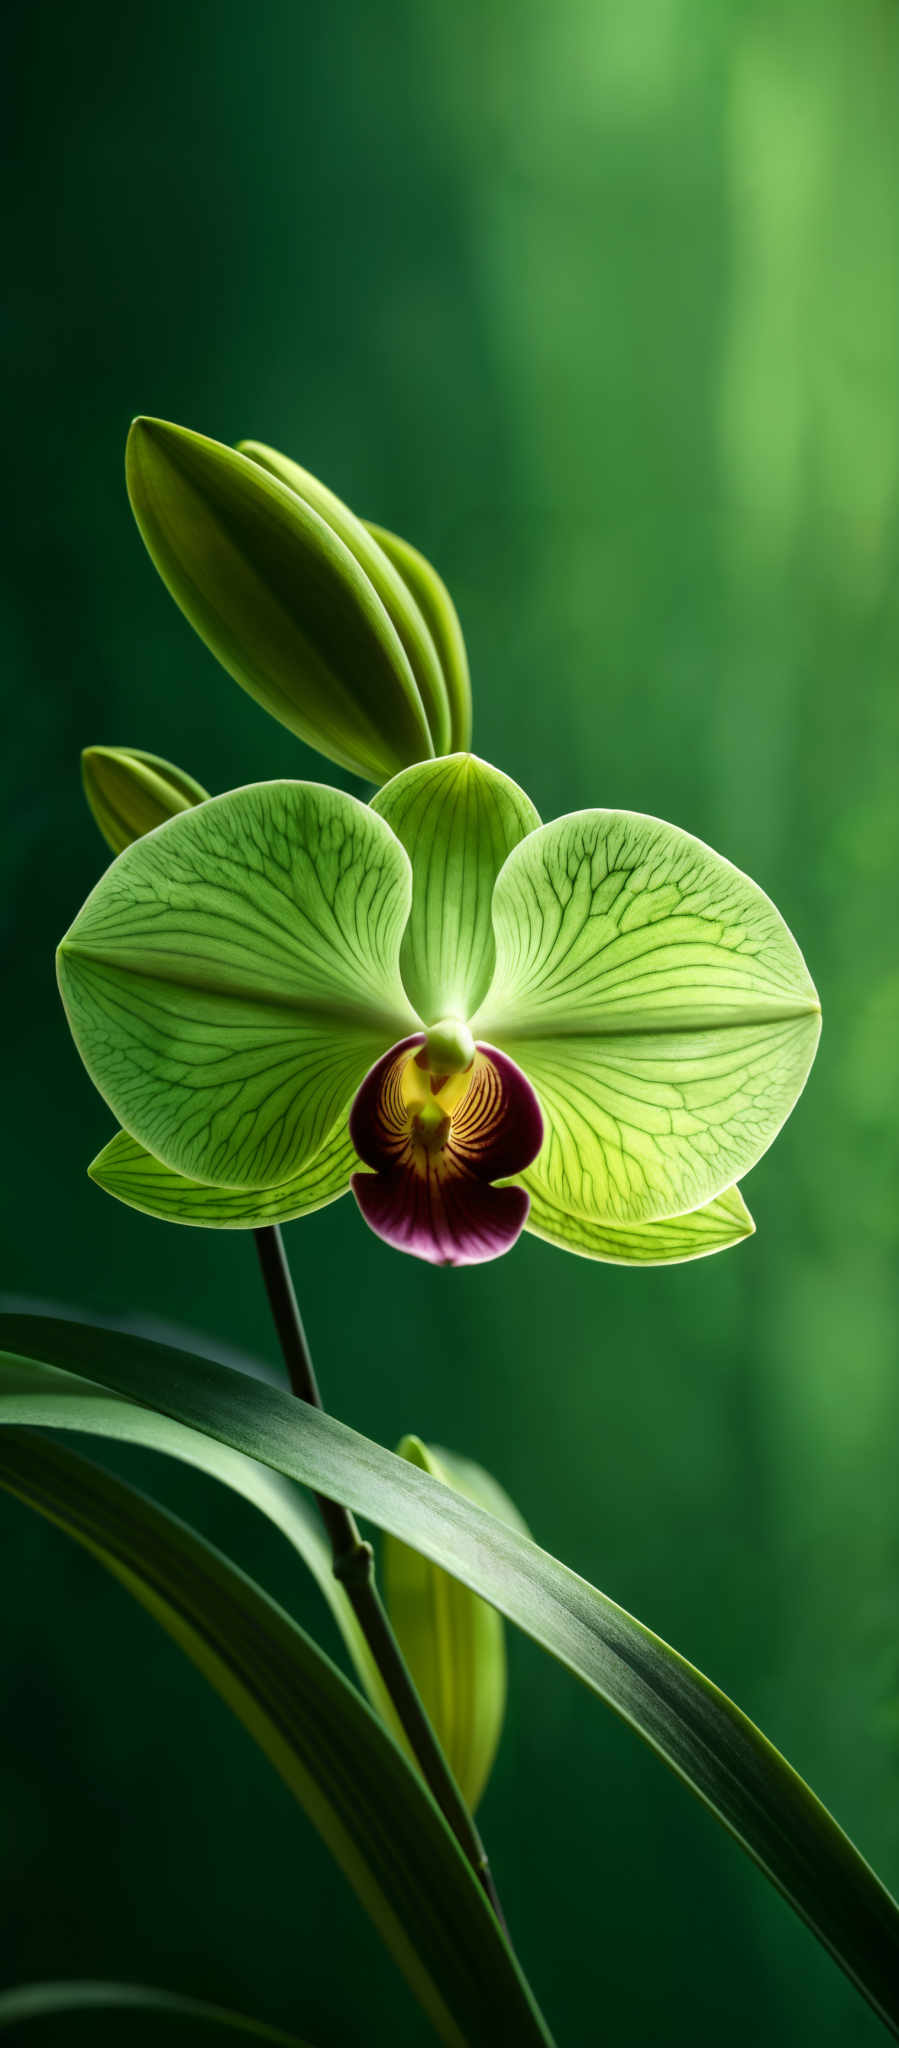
(453, 1642)
(434, 601)
(659, 1006)
(125, 1169)
(231, 978)
(393, 589)
(278, 597)
(457, 819)
(724, 1222)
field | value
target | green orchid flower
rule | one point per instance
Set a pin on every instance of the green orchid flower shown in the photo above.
(479, 1024)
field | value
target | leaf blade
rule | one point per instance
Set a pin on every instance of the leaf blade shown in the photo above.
(697, 1731)
(53, 2001)
(48, 1397)
(350, 1778)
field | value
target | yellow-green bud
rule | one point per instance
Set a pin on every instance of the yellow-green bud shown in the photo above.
(452, 1641)
(283, 595)
(129, 792)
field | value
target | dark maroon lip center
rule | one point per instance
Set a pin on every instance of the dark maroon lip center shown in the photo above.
(435, 1144)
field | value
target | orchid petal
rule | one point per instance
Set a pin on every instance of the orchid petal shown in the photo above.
(670, 1242)
(458, 819)
(130, 1173)
(659, 1006)
(432, 1195)
(232, 977)
(462, 1223)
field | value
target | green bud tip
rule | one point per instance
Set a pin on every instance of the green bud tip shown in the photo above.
(130, 792)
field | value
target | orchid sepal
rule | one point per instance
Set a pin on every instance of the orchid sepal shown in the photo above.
(127, 1171)
(458, 819)
(673, 1241)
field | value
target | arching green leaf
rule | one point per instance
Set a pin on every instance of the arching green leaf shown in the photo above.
(658, 1004)
(45, 1396)
(127, 1170)
(452, 1641)
(457, 819)
(393, 590)
(724, 1222)
(705, 1739)
(438, 608)
(57, 2002)
(130, 793)
(278, 598)
(370, 1808)
(231, 979)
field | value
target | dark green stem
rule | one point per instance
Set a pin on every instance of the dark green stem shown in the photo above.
(354, 1566)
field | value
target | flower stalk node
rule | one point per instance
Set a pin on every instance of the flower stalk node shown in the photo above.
(355, 1567)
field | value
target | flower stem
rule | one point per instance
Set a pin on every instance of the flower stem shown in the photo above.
(354, 1566)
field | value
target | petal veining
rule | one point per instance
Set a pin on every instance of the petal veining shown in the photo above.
(232, 976)
(657, 1003)
(434, 1145)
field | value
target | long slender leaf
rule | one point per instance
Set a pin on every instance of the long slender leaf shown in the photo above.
(60, 2001)
(356, 1787)
(719, 1753)
(55, 1399)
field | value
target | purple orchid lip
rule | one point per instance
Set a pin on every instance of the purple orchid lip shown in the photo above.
(435, 1144)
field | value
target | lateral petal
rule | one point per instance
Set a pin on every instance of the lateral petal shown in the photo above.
(232, 977)
(659, 1006)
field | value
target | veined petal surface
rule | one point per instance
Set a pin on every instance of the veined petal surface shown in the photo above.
(392, 588)
(233, 976)
(458, 819)
(669, 1242)
(658, 1004)
(437, 607)
(128, 1171)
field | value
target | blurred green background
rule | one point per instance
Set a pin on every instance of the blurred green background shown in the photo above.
(599, 304)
